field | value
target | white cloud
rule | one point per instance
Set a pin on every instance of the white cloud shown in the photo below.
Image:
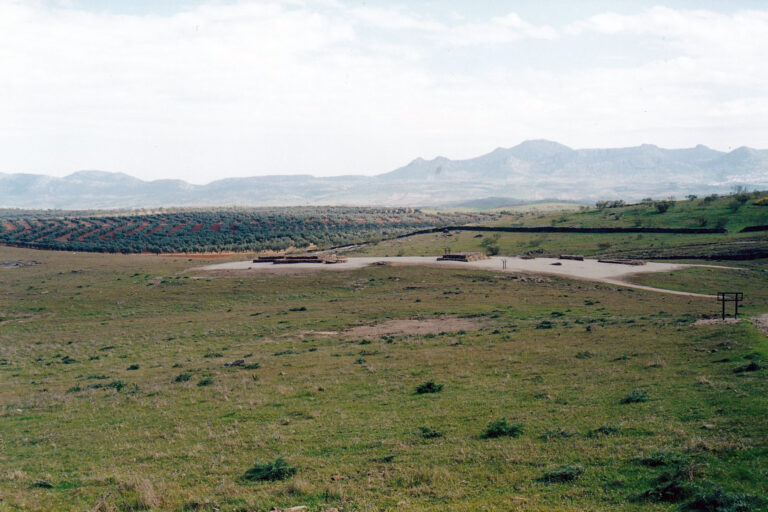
(317, 86)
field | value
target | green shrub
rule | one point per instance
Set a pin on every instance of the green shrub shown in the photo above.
(660, 459)
(716, 500)
(205, 381)
(672, 486)
(278, 469)
(635, 397)
(502, 428)
(430, 433)
(751, 367)
(133, 367)
(545, 324)
(567, 473)
(252, 366)
(603, 430)
(182, 377)
(117, 385)
(428, 387)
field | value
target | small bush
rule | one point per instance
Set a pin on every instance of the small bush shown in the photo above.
(301, 308)
(567, 473)
(430, 433)
(182, 377)
(428, 387)
(205, 381)
(716, 500)
(545, 324)
(557, 433)
(279, 469)
(117, 385)
(751, 367)
(603, 430)
(660, 459)
(502, 428)
(635, 397)
(252, 366)
(133, 367)
(673, 486)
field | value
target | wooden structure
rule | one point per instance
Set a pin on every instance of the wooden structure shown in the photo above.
(288, 259)
(463, 256)
(621, 261)
(734, 297)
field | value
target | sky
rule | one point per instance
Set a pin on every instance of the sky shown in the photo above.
(206, 89)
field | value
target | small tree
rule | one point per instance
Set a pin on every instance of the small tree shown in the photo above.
(663, 206)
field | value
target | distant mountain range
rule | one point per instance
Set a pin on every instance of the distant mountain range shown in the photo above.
(530, 171)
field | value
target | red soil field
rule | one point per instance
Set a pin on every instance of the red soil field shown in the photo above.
(8, 226)
(157, 228)
(82, 237)
(144, 225)
(216, 227)
(176, 228)
(197, 227)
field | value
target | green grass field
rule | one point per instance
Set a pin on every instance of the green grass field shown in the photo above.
(115, 394)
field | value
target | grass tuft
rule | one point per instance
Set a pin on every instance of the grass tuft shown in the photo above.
(278, 469)
(502, 428)
(561, 474)
(428, 387)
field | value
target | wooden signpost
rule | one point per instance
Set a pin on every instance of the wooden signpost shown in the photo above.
(734, 297)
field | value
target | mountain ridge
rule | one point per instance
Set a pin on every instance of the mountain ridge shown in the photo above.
(532, 170)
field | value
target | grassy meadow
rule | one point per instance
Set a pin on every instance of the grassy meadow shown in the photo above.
(116, 395)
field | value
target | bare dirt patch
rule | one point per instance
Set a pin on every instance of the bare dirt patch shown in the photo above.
(761, 322)
(715, 321)
(416, 326)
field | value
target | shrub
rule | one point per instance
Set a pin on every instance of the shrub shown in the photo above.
(428, 387)
(567, 473)
(663, 206)
(735, 205)
(603, 430)
(672, 486)
(557, 433)
(278, 469)
(211, 355)
(545, 324)
(502, 428)
(586, 354)
(133, 367)
(182, 377)
(635, 397)
(205, 381)
(719, 501)
(660, 459)
(300, 308)
(117, 385)
(252, 366)
(751, 367)
(430, 433)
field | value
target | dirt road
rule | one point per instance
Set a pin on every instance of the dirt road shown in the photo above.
(588, 270)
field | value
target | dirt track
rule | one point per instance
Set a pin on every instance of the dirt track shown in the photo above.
(588, 270)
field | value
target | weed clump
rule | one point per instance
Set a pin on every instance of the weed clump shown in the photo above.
(428, 387)
(586, 354)
(603, 430)
(716, 500)
(635, 397)
(502, 428)
(557, 433)
(672, 486)
(205, 381)
(183, 377)
(545, 324)
(252, 366)
(660, 459)
(751, 367)
(430, 433)
(278, 469)
(133, 367)
(561, 474)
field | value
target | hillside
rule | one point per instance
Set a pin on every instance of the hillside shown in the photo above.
(532, 170)
(221, 229)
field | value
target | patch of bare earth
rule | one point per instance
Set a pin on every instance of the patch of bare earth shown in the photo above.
(761, 322)
(715, 321)
(416, 326)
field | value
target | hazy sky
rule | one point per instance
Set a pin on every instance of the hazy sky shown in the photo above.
(200, 90)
